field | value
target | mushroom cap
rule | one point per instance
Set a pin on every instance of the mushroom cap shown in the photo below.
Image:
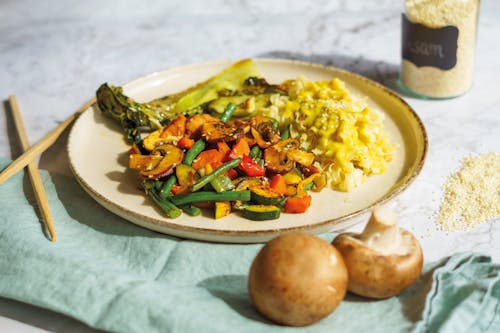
(297, 279)
(377, 275)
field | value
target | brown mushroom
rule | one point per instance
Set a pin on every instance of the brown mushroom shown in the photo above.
(276, 159)
(170, 155)
(383, 260)
(195, 122)
(297, 279)
(220, 131)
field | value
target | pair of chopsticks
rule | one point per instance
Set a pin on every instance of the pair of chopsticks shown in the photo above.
(27, 159)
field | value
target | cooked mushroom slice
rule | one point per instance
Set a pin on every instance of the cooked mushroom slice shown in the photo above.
(300, 156)
(276, 159)
(384, 259)
(175, 129)
(297, 279)
(195, 123)
(285, 145)
(172, 156)
(152, 140)
(220, 131)
(265, 131)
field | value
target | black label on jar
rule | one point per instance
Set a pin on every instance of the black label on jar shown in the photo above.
(425, 46)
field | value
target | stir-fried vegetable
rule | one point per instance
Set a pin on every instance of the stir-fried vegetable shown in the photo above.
(194, 151)
(153, 115)
(227, 172)
(208, 146)
(228, 112)
(219, 171)
(131, 115)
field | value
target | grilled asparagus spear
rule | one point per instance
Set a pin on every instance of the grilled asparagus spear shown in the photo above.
(153, 115)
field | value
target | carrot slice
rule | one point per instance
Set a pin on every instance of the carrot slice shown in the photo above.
(240, 148)
(278, 184)
(223, 148)
(297, 204)
(175, 129)
(185, 142)
(205, 157)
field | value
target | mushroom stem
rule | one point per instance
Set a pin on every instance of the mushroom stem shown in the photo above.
(382, 232)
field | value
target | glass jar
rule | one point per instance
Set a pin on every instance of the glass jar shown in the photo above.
(438, 46)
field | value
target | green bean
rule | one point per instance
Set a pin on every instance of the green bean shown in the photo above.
(275, 123)
(165, 190)
(148, 184)
(255, 153)
(182, 199)
(190, 210)
(286, 133)
(220, 170)
(222, 183)
(168, 207)
(228, 112)
(194, 151)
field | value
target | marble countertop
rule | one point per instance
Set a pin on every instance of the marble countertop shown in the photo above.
(53, 55)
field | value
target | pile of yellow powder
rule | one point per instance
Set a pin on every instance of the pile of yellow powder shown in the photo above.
(472, 194)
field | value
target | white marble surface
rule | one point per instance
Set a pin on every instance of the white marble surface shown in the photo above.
(53, 55)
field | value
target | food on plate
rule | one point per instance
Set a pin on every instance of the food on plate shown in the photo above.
(297, 279)
(237, 80)
(383, 260)
(345, 134)
(217, 135)
(228, 165)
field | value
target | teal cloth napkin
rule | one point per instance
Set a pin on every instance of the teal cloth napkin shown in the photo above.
(115, 276)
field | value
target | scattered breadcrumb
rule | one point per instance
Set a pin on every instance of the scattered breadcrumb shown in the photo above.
(472, 194)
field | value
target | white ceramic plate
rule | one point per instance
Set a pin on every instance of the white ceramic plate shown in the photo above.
(98, 158)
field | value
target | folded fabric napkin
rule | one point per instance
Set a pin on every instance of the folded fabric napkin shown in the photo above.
(115, 276)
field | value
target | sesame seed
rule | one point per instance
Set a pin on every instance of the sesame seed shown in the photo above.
(472, 194)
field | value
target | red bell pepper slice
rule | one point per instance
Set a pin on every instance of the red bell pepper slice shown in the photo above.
(250, 167)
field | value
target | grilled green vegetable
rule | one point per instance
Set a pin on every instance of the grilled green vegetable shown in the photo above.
(194, 151)
(230, 79)
(190, 210)
(265, 195)
(222, 183)
(182, 199)
(131, 115)
(261, 212)
(255, 85)
(246, 105)
(228, 112)
(217, 172)
(167, 186)
(153, 115)
(286, 133)
(168, 207)
(255, 153)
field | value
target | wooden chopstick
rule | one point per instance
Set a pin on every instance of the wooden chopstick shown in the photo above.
(42, 145)
(34, 174)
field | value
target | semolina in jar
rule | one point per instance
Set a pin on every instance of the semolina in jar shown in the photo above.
(438, 46)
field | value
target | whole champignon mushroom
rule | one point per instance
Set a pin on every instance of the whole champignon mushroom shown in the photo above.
(384, 259)
(297, 279)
